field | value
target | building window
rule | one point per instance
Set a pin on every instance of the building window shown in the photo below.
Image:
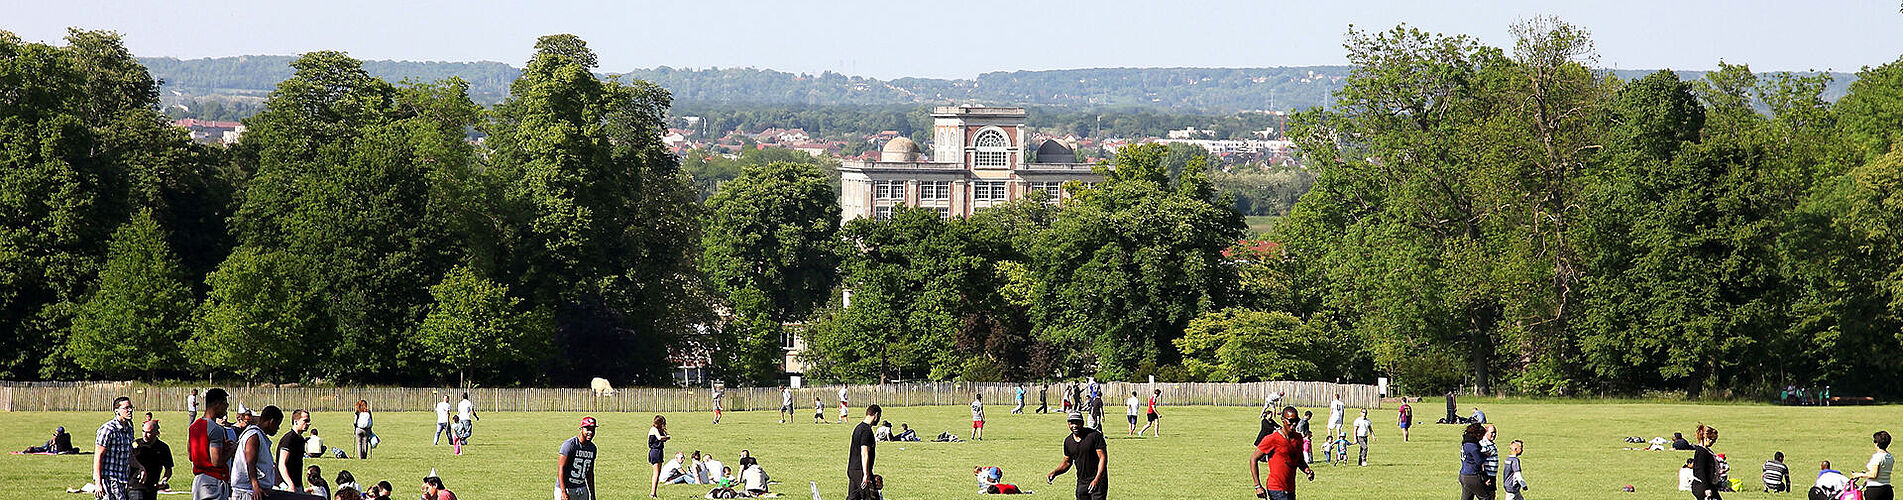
(888, 190)
(1051, 189)
(988, 191)
(934, 190)
(882, 212)
(789, 338)
(993, 150)
(943, 212)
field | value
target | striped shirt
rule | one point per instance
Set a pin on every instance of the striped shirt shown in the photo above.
(1776, 473)
(116, 463)
(1493, 457)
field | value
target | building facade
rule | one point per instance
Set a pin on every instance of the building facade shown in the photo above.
(978, 159)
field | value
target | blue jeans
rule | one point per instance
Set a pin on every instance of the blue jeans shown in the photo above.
(441, 427)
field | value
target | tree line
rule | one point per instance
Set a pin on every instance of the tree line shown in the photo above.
(1512, 219)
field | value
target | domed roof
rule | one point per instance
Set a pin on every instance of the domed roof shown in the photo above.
(899, 149)
(1053, 151)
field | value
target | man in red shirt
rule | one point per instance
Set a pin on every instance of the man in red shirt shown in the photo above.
(210, 447)
(1284, 455)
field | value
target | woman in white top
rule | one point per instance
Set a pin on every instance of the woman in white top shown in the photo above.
(363, 429)
(1876, 474)
(253, 470)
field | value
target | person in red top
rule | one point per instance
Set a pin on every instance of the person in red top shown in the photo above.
(1284, 455)
(1152, 416)
(210, 447)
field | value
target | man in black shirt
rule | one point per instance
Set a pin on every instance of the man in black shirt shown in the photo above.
(1085, 448)
(290, 452)
(151, 465)
(864, 452)
(1044, 398)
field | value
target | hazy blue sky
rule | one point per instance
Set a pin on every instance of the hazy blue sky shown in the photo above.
(963, 38)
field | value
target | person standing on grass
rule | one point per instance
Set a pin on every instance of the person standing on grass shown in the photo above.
(576, 465)
(1474, 481)
(720, 393)
(1280, 451)
(1044, 398)
(191, 406)
(209, 445)
(467, 411)
(1406, 420)
(1085, 448)
(978, 417)
(254, 472)
(1130, 411)
(1705, 483)
(151, 465)
(862, 455)
(458, 433)
(786, 404)
(112, 451)
(657, 442)
(1364, 430)
(1020, 409)
(1308, 440)
(1337, 415)
(819, 410)
(1876, 474)
(1510, 472)
(442, 421)
(290, 451)
(1153, 419)
(842, 404)
(363, 423)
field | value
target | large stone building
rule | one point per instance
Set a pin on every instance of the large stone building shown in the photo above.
(978, 160)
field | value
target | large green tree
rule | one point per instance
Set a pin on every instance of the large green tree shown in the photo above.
(475, 327)
(771, 247)
(137, 316)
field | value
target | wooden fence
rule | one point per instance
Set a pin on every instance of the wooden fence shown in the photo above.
(90, 397)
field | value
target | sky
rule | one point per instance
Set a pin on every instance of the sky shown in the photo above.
(961, 39)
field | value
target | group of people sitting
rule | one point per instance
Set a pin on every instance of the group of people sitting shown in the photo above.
(701, 468)
(884, 432)
(1831, 484)
(60, 444)
(348, 488)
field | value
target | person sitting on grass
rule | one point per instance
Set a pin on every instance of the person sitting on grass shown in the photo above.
(1830, 482)
(314, 482)
(673, 473)
(991, 482)
(1679, 443)
(905, 433)
(883, 432)
(61, 444)
(752, 477)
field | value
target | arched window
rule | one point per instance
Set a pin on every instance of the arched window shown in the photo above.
(993, 150)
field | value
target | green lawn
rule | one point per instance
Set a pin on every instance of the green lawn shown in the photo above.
(1573, 451)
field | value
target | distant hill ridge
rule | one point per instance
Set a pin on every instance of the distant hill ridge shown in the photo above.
(1202, 90)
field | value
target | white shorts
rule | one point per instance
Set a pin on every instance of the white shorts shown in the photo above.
(1334, 424)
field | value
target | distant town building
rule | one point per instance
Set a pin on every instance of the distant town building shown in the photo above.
(211, 132)
(979, 159)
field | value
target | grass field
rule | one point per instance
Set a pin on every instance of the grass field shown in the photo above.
(1573, 451)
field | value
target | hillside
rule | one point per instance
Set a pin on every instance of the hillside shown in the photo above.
(1176, 90)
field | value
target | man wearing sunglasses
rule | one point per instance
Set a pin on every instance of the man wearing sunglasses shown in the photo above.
(112, 451)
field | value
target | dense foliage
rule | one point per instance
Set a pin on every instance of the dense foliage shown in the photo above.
(1509, 219)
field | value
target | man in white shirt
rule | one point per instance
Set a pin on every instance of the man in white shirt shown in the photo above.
(672, 473)
(314, 445)
(1364, 429)
(1336, 412)
(191, 406)
(786, 404)
(442, 420)
(842, 404)
(467, 411)
(1273, 403)
(714, 467)
(1130, 411)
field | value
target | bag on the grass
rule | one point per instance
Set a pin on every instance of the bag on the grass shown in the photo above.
(374, 440)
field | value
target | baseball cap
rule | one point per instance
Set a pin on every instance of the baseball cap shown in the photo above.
(1076, 417)
(588, 421)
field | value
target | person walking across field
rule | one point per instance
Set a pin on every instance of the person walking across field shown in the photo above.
(862, 455)
(442, 421)
(1044, 398)
(786, 404)
(657, 453)
(151, 465)
(1406, 420)
(1020, 409)
(842, 404)
(191, 406)
(719, 395)
(112, 451)
(1152, 419)
(1876, 474)
(1085, 449)
(819, 410)
(1364, 431)
(1281, 450)
(576, 464)
(1511, 473)
(467, 411)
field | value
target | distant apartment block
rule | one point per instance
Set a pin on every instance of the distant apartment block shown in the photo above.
(211, 132)
(978, 159)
